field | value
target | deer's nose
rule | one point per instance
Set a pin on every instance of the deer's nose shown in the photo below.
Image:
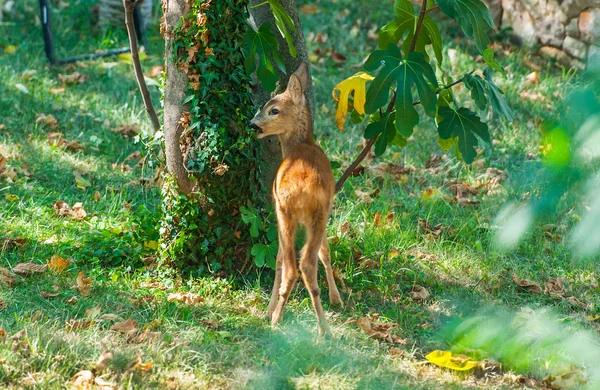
(254, 126)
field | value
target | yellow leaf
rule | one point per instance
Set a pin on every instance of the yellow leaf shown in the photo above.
(10, 49)
(592, 318)
(356, 83)
(11, 197)
(58, 264)
(151, 244)
(453, 362)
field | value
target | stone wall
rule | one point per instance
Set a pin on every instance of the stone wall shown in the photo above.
(567, 30)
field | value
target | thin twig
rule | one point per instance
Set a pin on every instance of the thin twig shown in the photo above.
(129, 7)
(432, 8)
(352, 167)
(413, 44)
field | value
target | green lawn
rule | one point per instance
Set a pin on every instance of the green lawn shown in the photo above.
(424, 237)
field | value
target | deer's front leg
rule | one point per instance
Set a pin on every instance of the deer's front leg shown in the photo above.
(276, 285)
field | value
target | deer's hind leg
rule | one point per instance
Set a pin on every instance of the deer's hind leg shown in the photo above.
(286, 259)
(309, 267)
(325, 256)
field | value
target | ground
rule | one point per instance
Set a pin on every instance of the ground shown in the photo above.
(391, 232)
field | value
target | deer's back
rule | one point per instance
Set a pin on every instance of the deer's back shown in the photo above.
(304, 184)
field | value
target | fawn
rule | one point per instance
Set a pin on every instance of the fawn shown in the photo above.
(303, 191)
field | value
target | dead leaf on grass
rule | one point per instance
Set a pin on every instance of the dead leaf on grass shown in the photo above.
(527, 285)
(110, 317)
(84, 285)
(128, 130)
(103, 360)
(28, 269)
(435, 230)
(184, 297)
(148, 336)
(6, 277)
(48, 294)
(139, 365)
(569, 380)
(83, 380)
(366, 263)
(555, 287)
(93, 312)
(127, 327)
(367, 197)
(56, 91)
(71, 300)
(377, 219)
(419, 293)
(11, 243)
(47, 120)
(210, 323)
(156, 285)
(575, 302)
(62, 209)
(3, 305)
(379, 330)
(73, 78)
(58, 264)
(74, 324)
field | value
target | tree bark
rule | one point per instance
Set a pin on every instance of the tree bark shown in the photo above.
(258, 16)
(174, 95)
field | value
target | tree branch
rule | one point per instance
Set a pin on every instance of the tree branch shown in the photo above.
(432, 8)
(413, 44)
(129, 7)
(367, 148)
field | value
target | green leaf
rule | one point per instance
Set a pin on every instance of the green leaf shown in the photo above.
(473, 17)
(265, 254)
(250, 216)
(262, 43)
(283, 22)
(385, 129)
(394, 30)
(488, 57)
(484, 91)
(406, 24)
(465, 125)
(414, 70)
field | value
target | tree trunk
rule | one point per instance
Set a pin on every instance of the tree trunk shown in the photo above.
(176, 83)
(258, 16)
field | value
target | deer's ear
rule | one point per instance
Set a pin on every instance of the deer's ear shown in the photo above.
(294, 88)
(302, 73)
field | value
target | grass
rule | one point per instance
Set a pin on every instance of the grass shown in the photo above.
(223, 342)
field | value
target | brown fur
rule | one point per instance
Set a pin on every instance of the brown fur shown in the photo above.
(303, 191)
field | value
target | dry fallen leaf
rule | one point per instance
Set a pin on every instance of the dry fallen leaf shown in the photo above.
(568, 380)
(93, 312)
(47, 120)
(84, 285)
(73, 78)
(148, 336)
(58, 264)
(419, 293)
(110, 317)
(378, 330)
(6, 277)
(127, 327)
(83, 380)
(103, 360)
(184, 297)
(102, 384)
(28, 269)
(575, 302)
(62, 209)
(71, 300)
(367, 263)
(73, 324)
(127, 130)
(527, 285)
(377, 219)
(555, 287)
(210, 323)
(453, 362)
(138, 365)
(156, 285)
(435, 230)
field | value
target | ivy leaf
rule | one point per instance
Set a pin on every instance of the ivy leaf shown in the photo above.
(488, 57)
(406, 21)
(484, 91)
(414, 70)
(250, 216)
(472, 16)
(356, 83)
(261, 43)
(283, 22)
(465, 125)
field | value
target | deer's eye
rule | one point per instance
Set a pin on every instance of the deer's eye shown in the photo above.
(274, 112)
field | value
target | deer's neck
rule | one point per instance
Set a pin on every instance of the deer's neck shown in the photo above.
(301, 133)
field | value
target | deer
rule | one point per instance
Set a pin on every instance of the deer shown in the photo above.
(303, 192)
